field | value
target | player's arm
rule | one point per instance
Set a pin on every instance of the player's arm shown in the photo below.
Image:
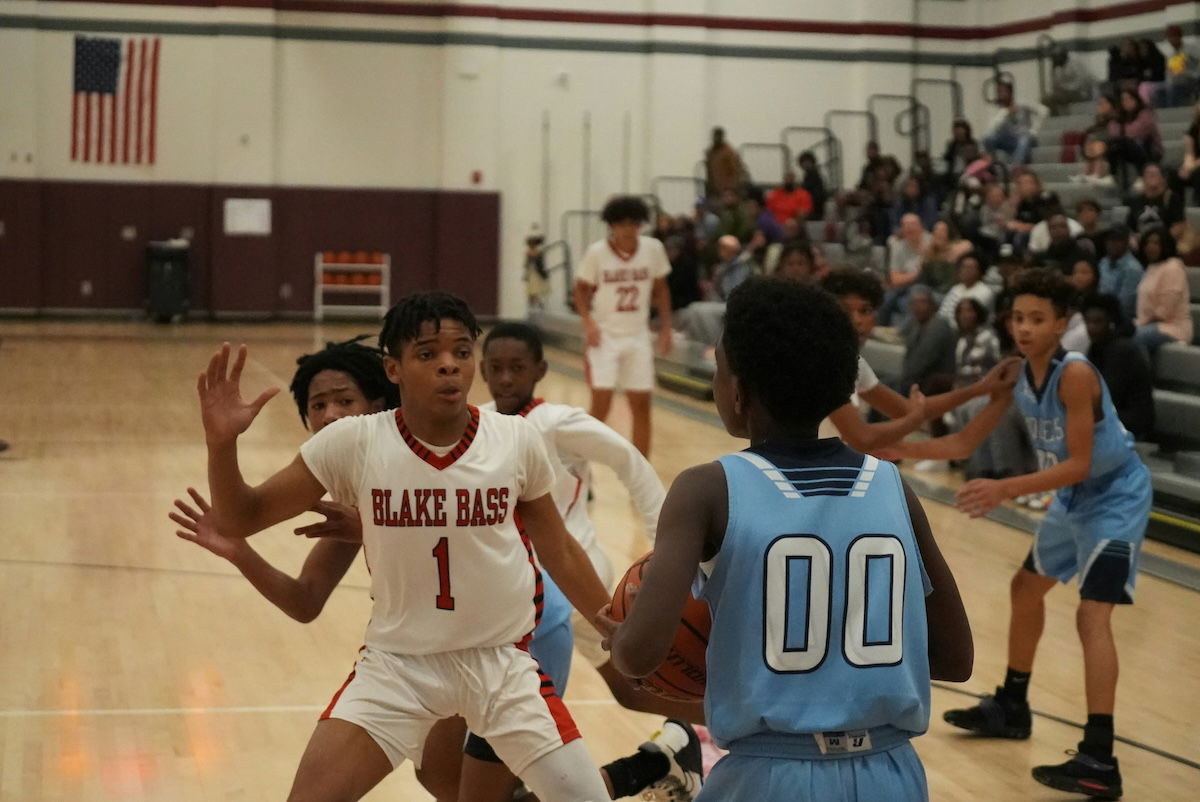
(567, 562)
(868, 437)
(1002, 376)
(662, 302)
(587, 279)
(960, 444)
(301, 597)
(689, 521)
(242, 510)
(1078, 390)
(951, 646)
(581, 436)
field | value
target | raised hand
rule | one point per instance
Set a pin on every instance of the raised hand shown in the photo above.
(199, 528)
(916, 403)
(978, 497)
(341, 523)
(1003, 376)
(222, 409)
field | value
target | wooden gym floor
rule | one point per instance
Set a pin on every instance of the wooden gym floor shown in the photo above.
(139, 667)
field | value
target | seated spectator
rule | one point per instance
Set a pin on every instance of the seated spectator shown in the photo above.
(915, 199)
(724, 170)
(1124, 66)
(1088, 213)
(1189, 171)
(764, 220)
(1120, 271)
(683, 281)
(1070, 81)
(977, 350)
(1125, 372)
(1154, 69)
(929, 342)
(1086, 280)
(1133, 137)
(788, 201)
(994, 216)
(1097, 169)
(813, 184)
(878, 211)
(734, 267)
(1014, 128)
(1163, 310)
(956, 154)
(735, 218)
(1029, 211)
(1156, 206)
(1183, 70)
(970, 286)
(1053, 242)
(701, 321)
(797, 262)
(940, 257)
(906, 251)
(866, 178)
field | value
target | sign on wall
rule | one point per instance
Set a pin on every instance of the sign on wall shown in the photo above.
(248, 216)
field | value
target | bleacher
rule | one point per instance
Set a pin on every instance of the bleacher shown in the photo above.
(1174, 460)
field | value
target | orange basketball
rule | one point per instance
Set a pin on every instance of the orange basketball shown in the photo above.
(683, 675)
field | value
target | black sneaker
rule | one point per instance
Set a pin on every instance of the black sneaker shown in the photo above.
(994, 717)
(1083, 774)
(678, 741)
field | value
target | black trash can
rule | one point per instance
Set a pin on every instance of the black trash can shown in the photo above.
(167, 280)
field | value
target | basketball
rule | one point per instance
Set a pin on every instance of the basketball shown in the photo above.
(683, 675)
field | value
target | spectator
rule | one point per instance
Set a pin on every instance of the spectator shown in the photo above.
(1124, 66)
(1156, 206)
(1120, 363)
(970, 286)
(682, 252)
(878, 211)
(1096, 168)
(1183, 70)
(814, 184)
(906, 250)
(764, 220)
(940, 257)
(537, 279)
(701, 321)
(1088, 214)
(788, 200)
(994, 216)
(977, 350)
(1086, 280)
(1189, 172)
(1133, 138)
(1070, 81)
(734, 217)
(866, 179)
(1154, 69)
(961, 150)
(1120, 271)
(733, 268)
(929, 342)
(1053, 242)
(796, 262)
(1163, 311)
(1030, 209)
(1014, 128)
(725, 171)
(914, 199)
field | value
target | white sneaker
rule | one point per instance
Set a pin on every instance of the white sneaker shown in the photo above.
(931, 465)
(677, 740)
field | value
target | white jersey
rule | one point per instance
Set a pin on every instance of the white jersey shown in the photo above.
(450, 568)
(866, 380)
(573, 438)
(624, 286)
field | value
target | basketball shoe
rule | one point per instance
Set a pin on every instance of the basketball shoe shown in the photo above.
(677, 740)
(1083, 774)
(995, 717)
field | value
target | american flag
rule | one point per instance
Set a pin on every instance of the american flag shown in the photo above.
(114, 100)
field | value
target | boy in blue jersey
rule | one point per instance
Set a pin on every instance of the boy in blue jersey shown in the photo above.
(1093, 529)
(832, 606)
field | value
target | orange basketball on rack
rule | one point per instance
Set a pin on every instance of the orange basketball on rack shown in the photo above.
(374, 279)
(343, 257)
(327, 256)
(327, 277)
(341, 278)
(358, 278)
(684, 674)
(376, 258)
(360, 257)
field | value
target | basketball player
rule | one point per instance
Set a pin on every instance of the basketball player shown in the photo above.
(456, 591)
(832, 606)
(1093, 529)
(340, 380)
(512, 365)
(860, 293)
(615, 283)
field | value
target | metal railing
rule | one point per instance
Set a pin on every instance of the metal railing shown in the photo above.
(916, 115)
(955, 88)
(677, 194)
(872, 122)
(1045, 45)
(828, 144)
(557, 258)
(765, 162)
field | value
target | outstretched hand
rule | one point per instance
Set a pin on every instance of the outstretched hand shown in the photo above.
(199, 527)
(978, 497)
(341, 523)
(222, 409)
(1003, 376)
(916, 402)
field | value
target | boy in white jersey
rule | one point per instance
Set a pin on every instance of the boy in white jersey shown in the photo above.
(860, 293)
(615, 283)
(454, 580)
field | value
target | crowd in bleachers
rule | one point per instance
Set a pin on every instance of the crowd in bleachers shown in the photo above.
(945, 239)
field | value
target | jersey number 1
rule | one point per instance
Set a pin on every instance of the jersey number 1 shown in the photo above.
(799, 600)
(441, 553)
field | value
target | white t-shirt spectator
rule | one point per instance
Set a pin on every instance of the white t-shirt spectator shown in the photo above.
(902, 258)
(624, 285)
(865, 381)
(979, 291)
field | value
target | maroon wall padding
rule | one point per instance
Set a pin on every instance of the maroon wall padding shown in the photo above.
(468, 248)
(21, 246)
(61, 233)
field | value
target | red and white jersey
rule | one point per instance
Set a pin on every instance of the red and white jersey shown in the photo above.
(624, 285)
(450, 568)
(573, 439)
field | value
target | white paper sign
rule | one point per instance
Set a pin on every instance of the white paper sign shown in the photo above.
(250, 216)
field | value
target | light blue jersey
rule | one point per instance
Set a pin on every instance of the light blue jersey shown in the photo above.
(1046, 419)
(818, 604)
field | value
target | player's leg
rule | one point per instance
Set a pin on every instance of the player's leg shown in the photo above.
(341, 762)
(639, 409)
(442, 762)
(1027, 595)
(637, 378)
(566, 773)
(601, 403)
(631, 697)
(669, 766)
